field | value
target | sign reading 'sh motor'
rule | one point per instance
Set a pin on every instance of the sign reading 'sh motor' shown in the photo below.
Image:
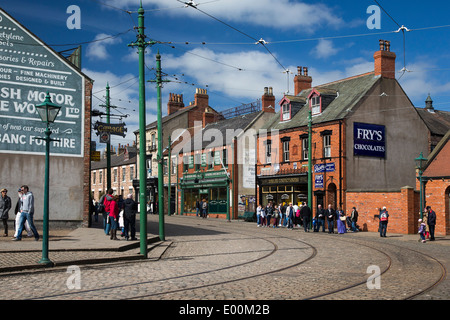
(369, 140)
(28, 69)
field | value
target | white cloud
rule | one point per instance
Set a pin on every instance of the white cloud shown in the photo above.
(324, 49)
(282, 14)
(97, 49)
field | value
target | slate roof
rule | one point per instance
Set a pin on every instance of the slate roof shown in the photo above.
(438, 122)
(348, 92)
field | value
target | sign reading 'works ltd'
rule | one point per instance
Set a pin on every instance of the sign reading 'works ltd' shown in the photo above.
(369, 140)
(28, 69)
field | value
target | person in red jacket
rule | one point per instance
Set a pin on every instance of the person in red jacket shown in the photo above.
(114, 216)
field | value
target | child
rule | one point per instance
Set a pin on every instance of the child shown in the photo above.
(421, 232)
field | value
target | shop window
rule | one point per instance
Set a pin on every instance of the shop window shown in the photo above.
(281, 189)
(265, 190)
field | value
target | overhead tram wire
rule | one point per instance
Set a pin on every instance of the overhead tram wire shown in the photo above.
(260, 41)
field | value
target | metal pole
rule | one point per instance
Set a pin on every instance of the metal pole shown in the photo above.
(141, 44)
(310, 162)
(45, 260)
(169, 168)
(108, 145)
(160, 157)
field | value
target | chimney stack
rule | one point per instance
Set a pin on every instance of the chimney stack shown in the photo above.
(175, 103)
(201, 99)
(385, 60)
(208, 117)
(268, 100)
(302, 81)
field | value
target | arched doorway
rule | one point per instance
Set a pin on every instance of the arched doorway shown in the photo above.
(331, 195)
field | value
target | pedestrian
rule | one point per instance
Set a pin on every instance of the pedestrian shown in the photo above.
(384, 219)
(331, 215)
(108, 197)
(425, 220)
(290, 215)
(320, 219)
(282, 209)
(354, 219)
(431, 222)
(18, 215)
(27, 212)
(198, 208)
(114, 216)
(276, 216)
(269, 213)
(129, 215)
(422, 227)
(305, 214)
(258, 215)
(5, 205)
(204, 209)
(341, 221)
(263, 216)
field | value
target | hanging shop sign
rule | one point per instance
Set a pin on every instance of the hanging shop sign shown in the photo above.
(117, 129)
(369, 140)
(28, 70)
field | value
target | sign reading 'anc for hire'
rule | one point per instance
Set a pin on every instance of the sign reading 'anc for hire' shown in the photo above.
(28, 69)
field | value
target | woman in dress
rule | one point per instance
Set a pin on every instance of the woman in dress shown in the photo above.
(341, 221)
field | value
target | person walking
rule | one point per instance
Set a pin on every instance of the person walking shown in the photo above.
(422, 227)
(320, 219)
(354, 219)
(331, 215)
(341, 221)
(27, 211)
(263, 216)
(384, 219)
(114, 217)
(129, 216)
(5, 205)
(431, 222)
(106, 215)
(305, 214)
(258, 215)
(18, 215)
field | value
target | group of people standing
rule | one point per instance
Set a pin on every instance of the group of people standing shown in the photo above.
(110, 207)
(291, 215)
(24, 212)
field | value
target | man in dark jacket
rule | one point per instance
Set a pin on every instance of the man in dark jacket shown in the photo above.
(129, 217)
(320, 219)
(5, 205)
(431, 222)
(331, 214)
(305, 213)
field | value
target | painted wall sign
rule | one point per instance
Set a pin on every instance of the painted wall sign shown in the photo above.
(28, 69)
(369, 140)
(318, 181)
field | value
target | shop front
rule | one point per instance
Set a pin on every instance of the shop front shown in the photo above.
(213, 187)
(279, 189)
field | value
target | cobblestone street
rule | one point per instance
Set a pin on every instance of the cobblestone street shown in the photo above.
(205, 259)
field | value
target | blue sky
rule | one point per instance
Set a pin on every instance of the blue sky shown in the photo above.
(331, 38)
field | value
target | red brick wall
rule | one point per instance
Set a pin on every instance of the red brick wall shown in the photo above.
(437, 196)
(401, 205)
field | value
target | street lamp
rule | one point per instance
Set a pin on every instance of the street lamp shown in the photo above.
(420, 163)
(48, 112)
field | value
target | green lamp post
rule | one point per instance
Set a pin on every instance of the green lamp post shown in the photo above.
(420, 163)
(48, 112)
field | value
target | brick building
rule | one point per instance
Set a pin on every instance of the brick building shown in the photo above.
(436, 177)
(123, 172)
(217, 163)
(179, 118)
(363, 148)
